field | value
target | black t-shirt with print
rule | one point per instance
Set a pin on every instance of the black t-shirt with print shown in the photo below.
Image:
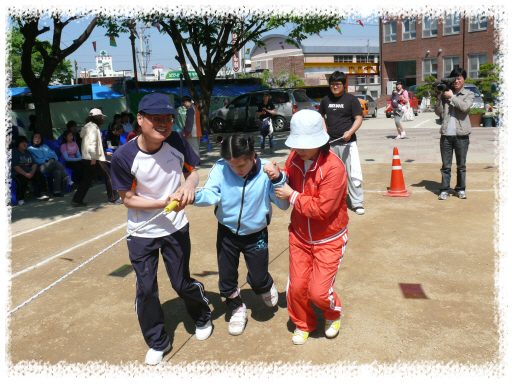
(340, 114)
(270, 106)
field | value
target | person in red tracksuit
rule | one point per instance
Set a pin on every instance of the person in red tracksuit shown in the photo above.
(317, 189)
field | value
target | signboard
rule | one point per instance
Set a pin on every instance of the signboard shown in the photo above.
(175, 75)
(236, 56)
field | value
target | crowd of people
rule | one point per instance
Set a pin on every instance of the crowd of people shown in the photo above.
(75, 158)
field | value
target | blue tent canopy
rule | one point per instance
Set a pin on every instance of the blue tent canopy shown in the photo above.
(99, 92)
(218, 90)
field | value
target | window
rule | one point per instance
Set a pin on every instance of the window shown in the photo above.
(258, 65)
(409, 29)
(474, 62)
(429, 26)
(279, 97)
(450, 63)
(451, 23)
(360, 80)
(429, 67)
(300, 96)
(390, 32)
(241, 102)
(478, 23)
(343, 58)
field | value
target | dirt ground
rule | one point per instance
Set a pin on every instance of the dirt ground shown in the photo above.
(446, 247)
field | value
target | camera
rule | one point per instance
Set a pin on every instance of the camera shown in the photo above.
(445, 84)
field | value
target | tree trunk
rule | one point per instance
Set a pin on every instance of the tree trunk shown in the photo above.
(204, 106)
(42, 104)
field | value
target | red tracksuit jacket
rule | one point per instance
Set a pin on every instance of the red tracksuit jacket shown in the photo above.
(320, 210)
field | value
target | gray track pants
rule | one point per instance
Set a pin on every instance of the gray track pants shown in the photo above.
(355, 194)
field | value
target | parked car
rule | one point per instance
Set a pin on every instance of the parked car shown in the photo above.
(318, 92)
(315, 105)
(240, 114)
(478, 102)
(413, 101)
(372, 104)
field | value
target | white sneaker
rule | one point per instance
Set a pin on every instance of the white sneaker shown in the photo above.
(238, 321)
(21, 202)
(271, 296)
(43, 197)
(359, 210)
(299, 337)
(155, 357)
(332, 328)
(402, 135)
(204, 332)
(398, 137)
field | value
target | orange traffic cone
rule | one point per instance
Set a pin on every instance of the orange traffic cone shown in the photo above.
(397, 178)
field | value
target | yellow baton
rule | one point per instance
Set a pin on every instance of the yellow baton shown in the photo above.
(171, 206)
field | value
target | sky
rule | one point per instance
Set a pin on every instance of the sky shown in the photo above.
(161, 46)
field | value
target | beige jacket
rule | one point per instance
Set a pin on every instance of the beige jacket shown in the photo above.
(461, 104)
(92, 147)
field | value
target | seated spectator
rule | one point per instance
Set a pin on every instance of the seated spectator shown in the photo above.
(23, 169)
(117, 120)
(125, 116)
(71, 154)
(49, 164)
(137, 130)
(113, 141)
(71, 125)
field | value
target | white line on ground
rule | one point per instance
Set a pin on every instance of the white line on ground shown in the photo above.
(423, 122)
(426, 190)
(66, 251)
(57, 221)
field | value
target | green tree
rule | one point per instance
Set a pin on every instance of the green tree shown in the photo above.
(51, 53)
(489, 80)
(62, 75)
(426, 90)
(212, 32)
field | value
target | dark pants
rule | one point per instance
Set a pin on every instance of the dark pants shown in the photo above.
(103, 169)
(459, 145)
(78, 170)
(255, 250)
(22, 182)
(144, 256)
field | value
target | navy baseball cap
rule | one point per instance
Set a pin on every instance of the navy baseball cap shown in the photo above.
(156, 103)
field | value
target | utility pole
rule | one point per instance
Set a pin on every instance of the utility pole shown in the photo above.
(132, 24)
(142, 52)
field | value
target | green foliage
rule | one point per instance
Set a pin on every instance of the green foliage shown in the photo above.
(490, 80)
(62, 75)
(426, 90)
(476, 111)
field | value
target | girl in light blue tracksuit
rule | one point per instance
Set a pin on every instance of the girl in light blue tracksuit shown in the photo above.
(241, 193)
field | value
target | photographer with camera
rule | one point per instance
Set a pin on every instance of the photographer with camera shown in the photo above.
(452, 105)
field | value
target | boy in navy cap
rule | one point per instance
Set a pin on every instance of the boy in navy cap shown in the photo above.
(147, 173)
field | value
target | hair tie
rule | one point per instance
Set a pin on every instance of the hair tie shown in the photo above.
(221, 141)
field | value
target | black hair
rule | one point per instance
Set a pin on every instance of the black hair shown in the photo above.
(186, 98)
(338, 76)
(136, 125)
(64, 135)
(237, 145)
(33, 118)
(117, 116)
(117, 127)
(325, 148)
(131, 117)
(458, 71)
(70, 124)
(19, 140)
(95, 119)
(32, 140)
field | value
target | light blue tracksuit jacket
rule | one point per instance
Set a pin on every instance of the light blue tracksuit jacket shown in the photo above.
(241, 204)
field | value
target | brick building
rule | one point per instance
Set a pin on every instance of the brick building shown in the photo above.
(317, 57)
(415, 47)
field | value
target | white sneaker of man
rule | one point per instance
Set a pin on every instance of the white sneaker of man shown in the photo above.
(155, 357)
(21, 202)
(238, 321)
(271, 296)
(204, 332)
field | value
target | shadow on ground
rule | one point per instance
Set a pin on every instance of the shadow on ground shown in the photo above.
(432, 186)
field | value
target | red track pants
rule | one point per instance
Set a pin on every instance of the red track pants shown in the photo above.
(313, 269)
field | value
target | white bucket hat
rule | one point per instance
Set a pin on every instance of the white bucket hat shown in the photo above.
(307, 130)
(96, 112)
